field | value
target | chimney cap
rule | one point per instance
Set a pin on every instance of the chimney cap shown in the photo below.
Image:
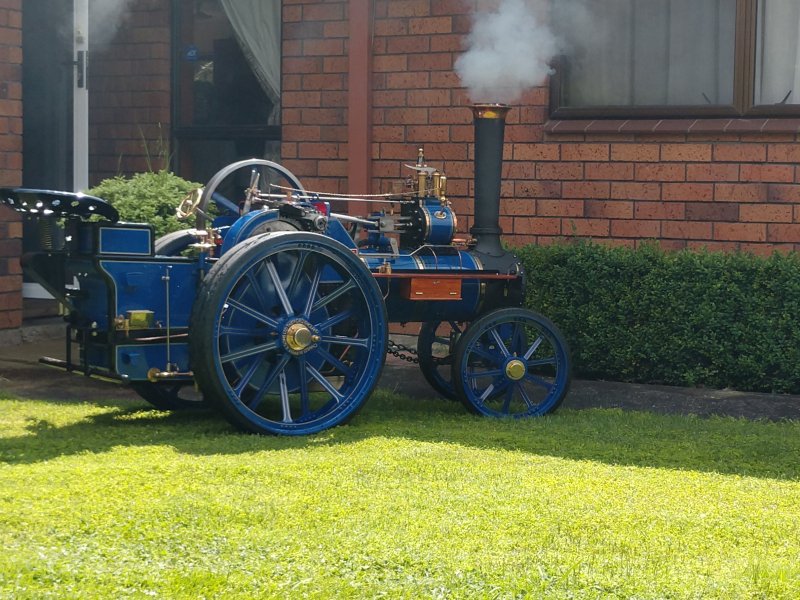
(490, 110)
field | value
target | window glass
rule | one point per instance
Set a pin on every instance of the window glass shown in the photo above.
(778, 53)
(647, 52)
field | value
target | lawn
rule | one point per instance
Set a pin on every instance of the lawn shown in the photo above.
(413, 499)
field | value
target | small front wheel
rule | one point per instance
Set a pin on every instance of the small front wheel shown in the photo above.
(512, 362)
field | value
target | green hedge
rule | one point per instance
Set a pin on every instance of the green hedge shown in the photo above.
(150, 197)
(680, 318)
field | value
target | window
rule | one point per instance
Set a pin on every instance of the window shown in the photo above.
(226, 93)
(663, 58)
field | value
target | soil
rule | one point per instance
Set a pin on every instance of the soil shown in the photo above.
(23, 376)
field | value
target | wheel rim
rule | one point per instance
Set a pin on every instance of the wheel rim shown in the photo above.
(513, 365)
(300, 338)
(229, 186)
(435, 352)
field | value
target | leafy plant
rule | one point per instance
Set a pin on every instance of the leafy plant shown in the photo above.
(147, 198)
(680, 318)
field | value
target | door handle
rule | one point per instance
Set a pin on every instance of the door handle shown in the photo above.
(81, 65)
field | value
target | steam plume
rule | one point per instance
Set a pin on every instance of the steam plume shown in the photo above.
(105, 19)
(508, 52)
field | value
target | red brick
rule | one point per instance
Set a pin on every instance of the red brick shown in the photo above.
(613, 171)
(538, 189)
(660, 210)
(635, 152)
(712, 172)
(687, 191)
(767, 173)
(561, 171)
(712, 211)
(548, 152)
(430, 25)
(586, 227)
(766, 213)
(537, 225)
(783, 233)
(740, 152)
(584, 189)
(635, 229)
(636, 191)
(660, 172)
(686, 152)
(783, 153)
(560, 208)
(614, 209)
(740, 232)
(741, 192)
(584, 152)
(686, 230)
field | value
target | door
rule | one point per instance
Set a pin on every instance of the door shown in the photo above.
(55, 113)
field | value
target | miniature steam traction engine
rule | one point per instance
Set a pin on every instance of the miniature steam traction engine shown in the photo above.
(277, 311)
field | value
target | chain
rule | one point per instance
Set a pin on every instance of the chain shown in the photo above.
(397, 350)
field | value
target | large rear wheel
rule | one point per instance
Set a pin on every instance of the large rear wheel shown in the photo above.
(288, 334)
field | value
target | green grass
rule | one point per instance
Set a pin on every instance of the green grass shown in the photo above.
(414, 499)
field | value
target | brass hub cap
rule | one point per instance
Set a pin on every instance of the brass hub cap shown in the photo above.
(299, 337)
(515, 369)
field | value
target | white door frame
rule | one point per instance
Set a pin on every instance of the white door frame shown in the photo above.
(80, 102)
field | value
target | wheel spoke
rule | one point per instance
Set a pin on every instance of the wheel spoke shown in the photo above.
(254, 364)
(234, 331)
(509, 395)
(268, 381)
(257, 289)
(284, 389)
(297, 271)
(499, 341)
(534, 347)
(301, 377)
(485, 354)
(541, 362)
(539, 381)
(334, 295)
(312, 292)
(276, 281)
(335, 320)
(251, 351)
(325, 384)
(486, 393)
(335, 362)
(250, 312)
(527, 399)
(347, 341)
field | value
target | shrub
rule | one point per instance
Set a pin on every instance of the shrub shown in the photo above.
(678, 318)
(147, 198)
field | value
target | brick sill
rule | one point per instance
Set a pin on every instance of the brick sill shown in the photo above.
(673, 126)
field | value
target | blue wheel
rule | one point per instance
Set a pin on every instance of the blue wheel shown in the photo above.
(512, 362)
(288, 334)
(435, 345)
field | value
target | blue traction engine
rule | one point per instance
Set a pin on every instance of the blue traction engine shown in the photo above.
(276, 310)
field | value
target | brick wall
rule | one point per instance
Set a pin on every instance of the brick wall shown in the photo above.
(314, 93)
(10, 159)
(129, 94)
(718, 183)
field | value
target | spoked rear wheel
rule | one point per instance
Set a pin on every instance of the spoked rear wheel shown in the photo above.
(289, 334)
(512, 362)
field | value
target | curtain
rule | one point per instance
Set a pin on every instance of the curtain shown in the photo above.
(257, 25)
(778, 56)
(647, 52)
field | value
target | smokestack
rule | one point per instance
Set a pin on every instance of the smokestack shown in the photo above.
(490, 123)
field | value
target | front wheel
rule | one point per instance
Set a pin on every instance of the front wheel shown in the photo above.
(288, 334)
(512, 362)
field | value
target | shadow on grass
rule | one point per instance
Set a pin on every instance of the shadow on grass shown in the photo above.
(612, 436)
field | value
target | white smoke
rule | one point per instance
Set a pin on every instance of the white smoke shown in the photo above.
(105, 19)
(509, 50)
